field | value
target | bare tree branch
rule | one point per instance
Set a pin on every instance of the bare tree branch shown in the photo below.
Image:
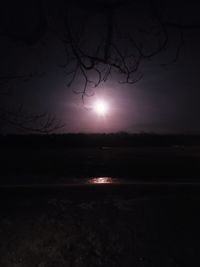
(20, 118)
(118, 49)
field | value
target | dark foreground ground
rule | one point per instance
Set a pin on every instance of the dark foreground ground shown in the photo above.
(100, 225)
(151, 218)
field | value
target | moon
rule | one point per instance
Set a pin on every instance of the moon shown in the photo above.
(101, 107)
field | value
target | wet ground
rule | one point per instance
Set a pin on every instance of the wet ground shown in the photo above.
(100, 207)
(100, 225)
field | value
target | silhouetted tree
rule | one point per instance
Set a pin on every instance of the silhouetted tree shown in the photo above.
(101, 38)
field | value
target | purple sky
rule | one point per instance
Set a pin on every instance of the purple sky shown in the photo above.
(165, 100)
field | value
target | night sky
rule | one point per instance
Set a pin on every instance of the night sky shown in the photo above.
(165, 100)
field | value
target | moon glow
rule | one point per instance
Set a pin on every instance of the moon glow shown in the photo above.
(101, 108)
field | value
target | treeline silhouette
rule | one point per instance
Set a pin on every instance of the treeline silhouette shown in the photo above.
(97, 140)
